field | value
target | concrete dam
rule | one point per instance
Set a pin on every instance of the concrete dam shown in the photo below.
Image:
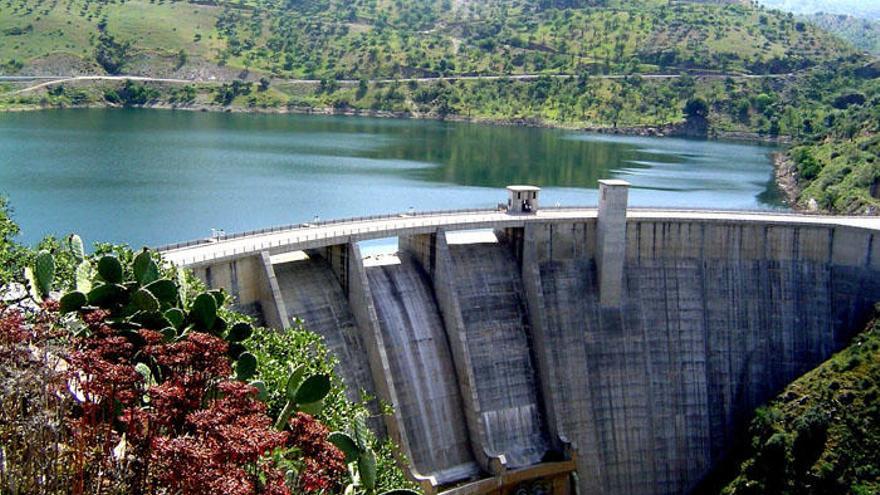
(609, 350)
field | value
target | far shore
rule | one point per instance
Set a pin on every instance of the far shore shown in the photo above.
(678, 130)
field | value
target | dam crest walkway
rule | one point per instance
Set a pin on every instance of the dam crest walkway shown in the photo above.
(288, 238)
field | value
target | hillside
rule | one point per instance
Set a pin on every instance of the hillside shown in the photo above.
(703, 68)
(381, 38)
(865, 9)
(837, 159)
(822, 434)
(862, 33)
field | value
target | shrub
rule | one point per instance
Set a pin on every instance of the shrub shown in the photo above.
(145, 378)
(278, 351)
(10, 252)
(111, 54)
(32, 415)
(807, 165)
(846, 100)
(131, 93)
(696, 108)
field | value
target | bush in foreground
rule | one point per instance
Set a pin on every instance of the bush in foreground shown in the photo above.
(137, 381)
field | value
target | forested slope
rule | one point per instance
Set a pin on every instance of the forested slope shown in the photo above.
(385, 38)
(864, 34)
(822, 434)
(726, 68)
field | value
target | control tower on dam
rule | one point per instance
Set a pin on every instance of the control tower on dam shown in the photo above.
(619, 350)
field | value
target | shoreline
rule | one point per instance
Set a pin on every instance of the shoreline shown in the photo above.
(785, 173)
(675, 130)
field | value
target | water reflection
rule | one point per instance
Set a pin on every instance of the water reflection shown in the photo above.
(150, 177)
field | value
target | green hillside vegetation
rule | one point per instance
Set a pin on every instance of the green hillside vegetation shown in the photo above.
(381, 38)
(865, 9)
(65, 37)
(822, 434)
(862, 33)
(746, 71)
(838, 166)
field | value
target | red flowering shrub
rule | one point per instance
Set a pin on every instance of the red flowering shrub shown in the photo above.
(226, 438)
(15, 329)
(323, 463)
(136, 391)
(196, 432)
(12, 329)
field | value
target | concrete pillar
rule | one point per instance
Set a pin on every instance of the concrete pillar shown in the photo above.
(337, 257)
(423, 248)
(611, 240)
(275, 313)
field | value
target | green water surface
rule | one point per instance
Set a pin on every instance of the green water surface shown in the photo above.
(150, 177)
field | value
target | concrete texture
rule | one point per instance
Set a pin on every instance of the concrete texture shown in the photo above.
(312, 293)
(422, 370)
(611, 239)
(714, 320)
(274, 311)
(432, 252)
(496, 355)
(490, 296)
(246, 280)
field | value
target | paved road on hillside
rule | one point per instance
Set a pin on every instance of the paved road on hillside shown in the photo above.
(63, 79)
(53, 80)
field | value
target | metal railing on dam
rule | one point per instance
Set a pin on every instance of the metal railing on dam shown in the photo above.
(628, 344)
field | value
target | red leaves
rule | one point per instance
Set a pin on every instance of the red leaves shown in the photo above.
(16, 329)
(171, 402)
(200, 354)
(12, 330)
(324, 464)
(195, 432)
(237, 425)
(157, 416)
(232, 433)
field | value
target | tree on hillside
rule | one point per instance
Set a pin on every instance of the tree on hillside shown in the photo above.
(112, 55)
(696, 109)
(10, 251)
(182, 59)
(696, 112)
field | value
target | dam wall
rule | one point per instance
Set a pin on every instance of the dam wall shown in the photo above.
(312, 292)
(628, 346)
(423, 370)
(713, 320)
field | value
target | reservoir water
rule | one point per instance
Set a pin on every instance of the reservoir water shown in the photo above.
(149, 177)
